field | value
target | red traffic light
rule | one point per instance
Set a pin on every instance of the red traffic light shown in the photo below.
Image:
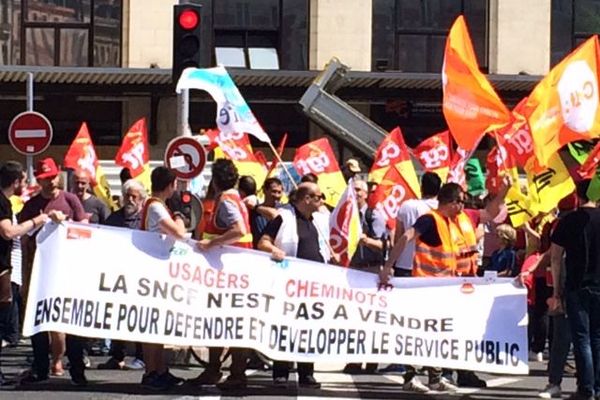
(189, 19)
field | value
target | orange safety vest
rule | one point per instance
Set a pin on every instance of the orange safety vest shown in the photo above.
(144, 222)
(211, 229)
(456, 255)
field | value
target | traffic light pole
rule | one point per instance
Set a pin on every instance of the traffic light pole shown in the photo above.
(183, 113)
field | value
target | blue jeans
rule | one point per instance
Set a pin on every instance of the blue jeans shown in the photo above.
(559, 350)
(583, 309)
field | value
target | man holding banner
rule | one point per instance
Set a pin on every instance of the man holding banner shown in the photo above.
(298, 232)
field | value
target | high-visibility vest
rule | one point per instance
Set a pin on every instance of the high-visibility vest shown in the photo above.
(456, 255)
(149, 201)
(211, 229)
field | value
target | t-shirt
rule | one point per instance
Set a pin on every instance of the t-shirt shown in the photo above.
(97, 211)
(308, 236)
(364, 255)
(228, 214)
(579, 234)
(258, 223)
(66, 202)
(5, 245)
(408, 213)
(503, 260)
(118, 218)
(156, 212)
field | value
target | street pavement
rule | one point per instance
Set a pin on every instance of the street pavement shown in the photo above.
(125, 385)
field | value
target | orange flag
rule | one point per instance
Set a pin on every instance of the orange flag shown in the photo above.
(471, 106)
(564, 105)
(317, 157)
(391, 193)
(81, 155)
(435, 154)
(134, 153)
(393, 152)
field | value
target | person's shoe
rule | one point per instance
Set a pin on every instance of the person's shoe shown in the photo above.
(579, 396)
(398, 368)
(57, 370)
(470, 379)
(539, 357)
(352, 369)
(153, 381)
(371, 368)
(112, 363)
(444, 385)
(79, 379)
(31, 378)
(233, 383)
(415, 385)
(87, 362)
(171, 379)
(550, 391)
(280, 382)
(207, 377)
(309, 381)
(135, 365)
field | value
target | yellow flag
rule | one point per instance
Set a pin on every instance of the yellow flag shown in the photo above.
(548, 185)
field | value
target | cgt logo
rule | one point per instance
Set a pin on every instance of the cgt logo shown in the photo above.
(392, 202)
(435, 157)
(78, 233)
(390, 152)
(315, 164)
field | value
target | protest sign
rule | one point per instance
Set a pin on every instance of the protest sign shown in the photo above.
(150, 288)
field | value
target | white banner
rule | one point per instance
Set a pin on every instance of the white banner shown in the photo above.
(139, 286)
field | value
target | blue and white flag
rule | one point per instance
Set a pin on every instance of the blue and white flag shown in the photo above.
(233, 113)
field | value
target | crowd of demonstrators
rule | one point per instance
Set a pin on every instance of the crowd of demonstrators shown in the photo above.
(445, 221)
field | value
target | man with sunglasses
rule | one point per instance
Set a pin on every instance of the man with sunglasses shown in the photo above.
(299, 230)
(445, 246)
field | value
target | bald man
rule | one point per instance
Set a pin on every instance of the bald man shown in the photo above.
(95, 209)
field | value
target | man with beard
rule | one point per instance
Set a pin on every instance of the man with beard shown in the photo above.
(12, 181)
(51, 199)
(128, 216)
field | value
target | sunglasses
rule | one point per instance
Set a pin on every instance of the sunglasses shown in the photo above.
(318, 196)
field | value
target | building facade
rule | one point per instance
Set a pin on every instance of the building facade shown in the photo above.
(107, 62)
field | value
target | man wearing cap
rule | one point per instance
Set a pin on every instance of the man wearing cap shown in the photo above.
(51, 199)
(350, 169)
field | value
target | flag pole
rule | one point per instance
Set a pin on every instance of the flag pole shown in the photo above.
(283, 165)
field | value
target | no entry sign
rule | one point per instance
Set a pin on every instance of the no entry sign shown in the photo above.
(186, 157)
(30, 133)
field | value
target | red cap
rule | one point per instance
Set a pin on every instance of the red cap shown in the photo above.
(46, 168)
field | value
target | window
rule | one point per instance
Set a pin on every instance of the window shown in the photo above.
(257, 34)
(572, 22)
(410, 35)
(61, 32)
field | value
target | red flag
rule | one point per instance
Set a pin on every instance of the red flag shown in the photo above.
(588, 168)
(457, 166)
(317, 157)
(391, 193)
(516, 137)
(134, 152)
(391, 151)
(280, 149)
(435, 154)
(345, 226)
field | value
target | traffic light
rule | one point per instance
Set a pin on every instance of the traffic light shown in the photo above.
(186, 38)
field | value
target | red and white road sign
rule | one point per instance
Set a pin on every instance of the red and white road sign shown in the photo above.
(30, 133)
(186, 157)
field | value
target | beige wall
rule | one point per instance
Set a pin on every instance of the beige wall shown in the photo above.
(148, 33)
(519, 36)
(344, 31)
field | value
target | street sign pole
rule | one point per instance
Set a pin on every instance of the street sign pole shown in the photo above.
(183, 126)
(29, 157)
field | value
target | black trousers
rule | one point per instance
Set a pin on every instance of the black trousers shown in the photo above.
(118, 350)
(41, 349)
(281, 369)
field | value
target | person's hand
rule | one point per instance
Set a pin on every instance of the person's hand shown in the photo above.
(522, 277)
(250, 201)
(277, 254)
(363, 239)
(40, 219)
(57, 216)
(203, 244)
(384, 276)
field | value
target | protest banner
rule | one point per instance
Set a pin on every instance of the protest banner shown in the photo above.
(152, 288)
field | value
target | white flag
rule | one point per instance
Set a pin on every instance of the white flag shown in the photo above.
(233, 114)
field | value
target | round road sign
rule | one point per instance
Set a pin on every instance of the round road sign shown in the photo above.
(30, 133)
(186, 157)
